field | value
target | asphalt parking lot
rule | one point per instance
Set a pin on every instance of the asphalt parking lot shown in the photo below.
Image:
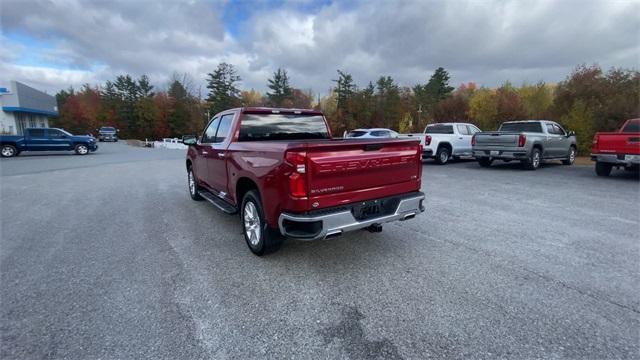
(106, 256)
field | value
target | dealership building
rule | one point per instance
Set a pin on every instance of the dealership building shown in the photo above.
(24, 107)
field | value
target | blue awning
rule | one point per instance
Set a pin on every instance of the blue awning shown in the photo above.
(28, 110)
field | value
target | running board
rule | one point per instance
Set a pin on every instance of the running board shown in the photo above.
(218, 202)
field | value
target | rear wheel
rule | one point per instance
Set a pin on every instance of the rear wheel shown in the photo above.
(571, 158)
(259, 237)
(534, 160)
(603, 169)
(82, 149)
(193, 185)
(485, 161)
(442, 155)
(8, 151)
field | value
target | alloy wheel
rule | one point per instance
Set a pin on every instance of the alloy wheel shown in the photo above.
(251, 223)
(7, 151)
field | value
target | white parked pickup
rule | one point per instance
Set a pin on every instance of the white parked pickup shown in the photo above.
(444, 141)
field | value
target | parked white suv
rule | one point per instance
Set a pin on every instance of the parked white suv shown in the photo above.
(444, 141)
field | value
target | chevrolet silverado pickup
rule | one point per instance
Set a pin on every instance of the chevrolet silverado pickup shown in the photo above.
(443, 141)
(286, 177)
(528, 141)
(46, 139)
(617, 149)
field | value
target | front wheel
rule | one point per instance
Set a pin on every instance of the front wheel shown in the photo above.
(260, 239)
(193, 185)
(603, 169)
(571, 158)
(8, 151)
(82, 149)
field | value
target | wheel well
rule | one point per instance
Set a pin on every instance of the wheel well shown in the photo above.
(446, 145)
(538, 146)
(242, 186)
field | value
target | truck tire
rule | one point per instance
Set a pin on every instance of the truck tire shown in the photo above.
(8, 151)
(603, 169)
(259, 237)
(571, 158)
(193, 185)
(534, 160)
(442, 155)
(485, 161)
(82, 149)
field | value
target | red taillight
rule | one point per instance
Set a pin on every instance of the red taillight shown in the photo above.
(427, 140)
(595, 140)
(521, 140)
(297, 179)
(473, 139)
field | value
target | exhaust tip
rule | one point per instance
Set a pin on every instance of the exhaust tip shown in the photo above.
(333, 234)
(375, 228)
(409, 216)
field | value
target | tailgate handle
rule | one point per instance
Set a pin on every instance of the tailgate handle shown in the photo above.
(373, 147)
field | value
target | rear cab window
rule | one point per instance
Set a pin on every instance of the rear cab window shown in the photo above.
(282, 126)
(532, 127)
(632, 126)
(36, 133)
(439, 129)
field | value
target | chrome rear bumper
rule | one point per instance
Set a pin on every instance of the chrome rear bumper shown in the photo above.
(316, 227)
(626, 160)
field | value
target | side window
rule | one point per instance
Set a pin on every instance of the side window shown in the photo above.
(550, 129)
(462, 129)
(559, 130)
(54, 134)
(36, 133)
(473, 129)
(209, 135)
(223, 129)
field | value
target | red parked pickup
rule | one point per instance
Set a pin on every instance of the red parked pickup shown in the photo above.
(619, 149)
(285, 175)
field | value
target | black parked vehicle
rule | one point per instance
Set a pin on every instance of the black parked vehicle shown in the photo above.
(107, 133)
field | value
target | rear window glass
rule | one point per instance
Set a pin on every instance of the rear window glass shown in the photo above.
(632, 126)
(439, 129)
(534, 127)
(108, 129)
(256, 127)
(356, 133)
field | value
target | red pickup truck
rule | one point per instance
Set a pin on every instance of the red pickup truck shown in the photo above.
(285, 175)
(619, 149)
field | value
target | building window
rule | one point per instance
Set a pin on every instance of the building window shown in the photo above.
(32, 121)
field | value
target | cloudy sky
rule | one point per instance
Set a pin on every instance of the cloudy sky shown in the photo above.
(54, 44)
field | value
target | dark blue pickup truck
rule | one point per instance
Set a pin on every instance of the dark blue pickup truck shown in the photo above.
(46, 139)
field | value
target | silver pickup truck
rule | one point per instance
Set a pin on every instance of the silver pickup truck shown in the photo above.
(529, 141)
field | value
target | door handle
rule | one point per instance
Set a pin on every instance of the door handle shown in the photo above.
(460, 138)
(221, 155)
(204, 152)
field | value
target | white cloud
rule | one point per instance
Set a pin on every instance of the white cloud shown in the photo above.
(487, 42)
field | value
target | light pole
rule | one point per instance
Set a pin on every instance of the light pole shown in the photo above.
(419, 114)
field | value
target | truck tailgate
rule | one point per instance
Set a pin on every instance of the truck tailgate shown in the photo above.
(356, 166)
(506, 139)
(618, 143)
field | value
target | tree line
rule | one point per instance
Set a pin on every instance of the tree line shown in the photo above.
(587, 100)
